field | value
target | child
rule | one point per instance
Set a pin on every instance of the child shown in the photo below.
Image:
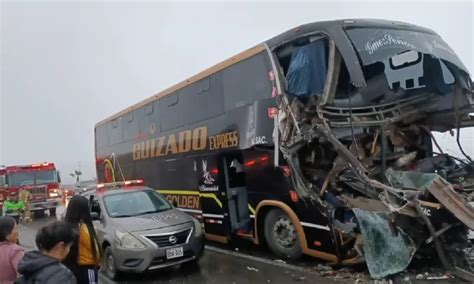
(44, 266)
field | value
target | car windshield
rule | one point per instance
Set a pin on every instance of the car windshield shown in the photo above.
(30, 178)
(135, 203)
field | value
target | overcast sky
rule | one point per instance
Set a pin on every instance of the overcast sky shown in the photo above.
(66, 66)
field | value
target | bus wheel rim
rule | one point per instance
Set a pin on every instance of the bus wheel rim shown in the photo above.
(284, 232)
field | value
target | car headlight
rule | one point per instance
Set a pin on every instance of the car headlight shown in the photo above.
(197, 228)
(126, 240)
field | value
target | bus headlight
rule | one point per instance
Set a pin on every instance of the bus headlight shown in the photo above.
(126, 240)
(197, 228)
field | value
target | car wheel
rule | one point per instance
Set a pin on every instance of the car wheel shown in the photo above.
(281, 235)
(109, 266)
(52, 212)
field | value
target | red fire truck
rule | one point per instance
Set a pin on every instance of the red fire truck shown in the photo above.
(43, 182)
(3, 194)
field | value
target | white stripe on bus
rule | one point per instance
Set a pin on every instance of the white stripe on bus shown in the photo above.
(316, 226)
(190, 210)
(213, 216)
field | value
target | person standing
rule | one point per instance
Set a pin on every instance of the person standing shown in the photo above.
(44, 265)
(85, 256)
(25, 197)
(10, 252)
(13, 207)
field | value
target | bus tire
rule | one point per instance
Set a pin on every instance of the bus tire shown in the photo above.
(52, 212)
(281, 235)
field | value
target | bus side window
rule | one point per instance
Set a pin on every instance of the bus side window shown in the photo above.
(171, 110)
(246, 81)
(130, 126)
(101, 137)
(114, 131)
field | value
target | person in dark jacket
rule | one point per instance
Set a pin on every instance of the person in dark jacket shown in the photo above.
(44, 266)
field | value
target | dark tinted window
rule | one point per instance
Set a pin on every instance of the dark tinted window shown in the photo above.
(148, 119)
(115, 131)
(246, 81)
(208, 100)
(172, 109)
(101, 136)
(129, 126)
(197, 102)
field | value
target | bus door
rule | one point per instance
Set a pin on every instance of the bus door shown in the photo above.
(236, 192)
(212, 200)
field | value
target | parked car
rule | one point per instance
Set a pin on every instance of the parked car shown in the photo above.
(140, 230)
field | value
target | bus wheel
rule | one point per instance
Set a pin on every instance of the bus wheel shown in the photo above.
(281, 235)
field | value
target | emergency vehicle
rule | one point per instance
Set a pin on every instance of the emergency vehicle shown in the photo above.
(3, 195)
(41, 179)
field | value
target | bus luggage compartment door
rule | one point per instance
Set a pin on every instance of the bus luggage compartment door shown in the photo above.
(213, 201)
(236, 191)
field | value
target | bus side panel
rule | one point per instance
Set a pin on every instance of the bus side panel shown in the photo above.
(266, 182)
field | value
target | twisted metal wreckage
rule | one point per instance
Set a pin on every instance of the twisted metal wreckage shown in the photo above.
(365, 154)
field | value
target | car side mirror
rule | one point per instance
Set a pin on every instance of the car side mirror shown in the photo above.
(95, 216)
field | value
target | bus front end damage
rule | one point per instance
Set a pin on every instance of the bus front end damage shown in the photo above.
(366, 151)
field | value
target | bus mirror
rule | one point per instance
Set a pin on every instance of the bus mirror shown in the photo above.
(59, 177)
(175, 203)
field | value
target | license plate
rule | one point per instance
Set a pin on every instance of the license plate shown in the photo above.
(174, 252)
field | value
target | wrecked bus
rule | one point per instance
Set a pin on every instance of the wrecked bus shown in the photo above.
(318, 141)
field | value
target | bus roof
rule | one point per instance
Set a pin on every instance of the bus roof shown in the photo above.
(333, 28)
(228, 62)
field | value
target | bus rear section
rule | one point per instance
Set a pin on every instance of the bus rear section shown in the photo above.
(41, 180)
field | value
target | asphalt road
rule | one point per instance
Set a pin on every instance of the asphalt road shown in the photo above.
(216, 266)
(245, 263)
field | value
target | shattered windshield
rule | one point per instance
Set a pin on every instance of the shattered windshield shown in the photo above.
(374, 45)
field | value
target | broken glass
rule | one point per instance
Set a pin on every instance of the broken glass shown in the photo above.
(385, 253)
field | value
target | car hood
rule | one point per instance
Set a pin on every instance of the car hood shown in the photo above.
(153, 221)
